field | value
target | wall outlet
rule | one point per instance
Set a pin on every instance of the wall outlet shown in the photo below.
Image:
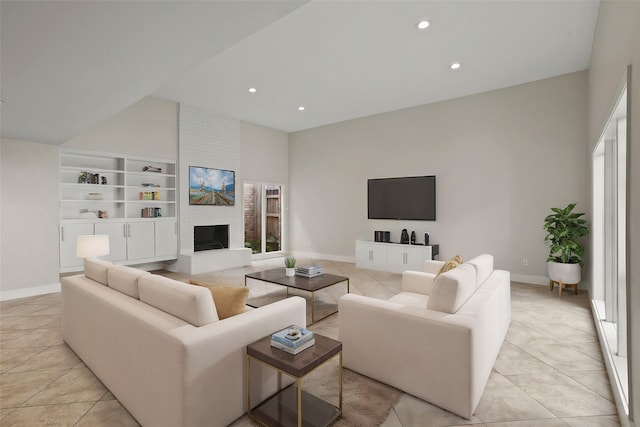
(525, 261)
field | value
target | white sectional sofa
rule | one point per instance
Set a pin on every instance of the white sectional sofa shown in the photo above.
(437, 339)
(158, 346)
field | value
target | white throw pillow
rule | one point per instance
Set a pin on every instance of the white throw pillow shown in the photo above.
(484, 267)
(96, 269)
(452, 289)
(190, 303)
(125, 279)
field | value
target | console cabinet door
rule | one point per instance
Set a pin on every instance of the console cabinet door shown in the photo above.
(406, 257)
(371, 255)
(69, 233)
(117, 232)
(166, 238)
(140, 240)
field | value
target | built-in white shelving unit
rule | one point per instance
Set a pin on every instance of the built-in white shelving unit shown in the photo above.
(131, 199)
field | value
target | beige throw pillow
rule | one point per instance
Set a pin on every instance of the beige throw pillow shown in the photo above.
(450, 265)
(229, 300)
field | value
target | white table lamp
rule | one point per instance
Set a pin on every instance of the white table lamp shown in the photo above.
(89, 246)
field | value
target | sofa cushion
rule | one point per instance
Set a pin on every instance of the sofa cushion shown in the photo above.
(229, 300)
(125, 279)
(484, 267)
(192, 304)
(452, 289)
(96, 269)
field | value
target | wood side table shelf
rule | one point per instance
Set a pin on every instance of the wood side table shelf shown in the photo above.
(292, 406)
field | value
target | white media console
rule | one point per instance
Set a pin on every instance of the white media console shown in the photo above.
(392, 257)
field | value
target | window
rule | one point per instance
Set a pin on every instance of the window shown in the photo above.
(609, 269)
(263, 217)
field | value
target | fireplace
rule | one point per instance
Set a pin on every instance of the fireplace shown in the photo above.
(207, 237)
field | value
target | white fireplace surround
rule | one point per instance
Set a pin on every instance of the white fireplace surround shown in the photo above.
(211, 140)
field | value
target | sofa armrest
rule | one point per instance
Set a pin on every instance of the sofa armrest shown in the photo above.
(432, 266)
(422, 352)
(418, 282)
(216, 353)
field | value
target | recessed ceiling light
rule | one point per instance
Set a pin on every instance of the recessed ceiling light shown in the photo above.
(422, 25)
(455, 66)
(301, 108)
(252, 90)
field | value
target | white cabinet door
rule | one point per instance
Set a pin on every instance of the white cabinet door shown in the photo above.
(140, 240)
(69, 233)
(416, 256)
(117, 232)
(407, 257)
(371, 255)
(166, 238)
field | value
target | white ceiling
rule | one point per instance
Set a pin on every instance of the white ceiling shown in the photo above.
(68, 65)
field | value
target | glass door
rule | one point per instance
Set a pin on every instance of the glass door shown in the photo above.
(263, 217)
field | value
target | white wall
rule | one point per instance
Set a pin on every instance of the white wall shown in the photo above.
(502, 160)
(265, 159)
(29, 227)
(617, 44)
(148, 128)
(209, 140)
(264, 154)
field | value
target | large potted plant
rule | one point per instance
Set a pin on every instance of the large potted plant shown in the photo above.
(564, 230)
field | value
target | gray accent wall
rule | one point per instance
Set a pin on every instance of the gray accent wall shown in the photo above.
(502, 160)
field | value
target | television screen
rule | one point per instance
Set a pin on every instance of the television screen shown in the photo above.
(409, 198)
(215, 187)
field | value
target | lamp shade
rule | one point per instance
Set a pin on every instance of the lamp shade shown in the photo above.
(89, 246)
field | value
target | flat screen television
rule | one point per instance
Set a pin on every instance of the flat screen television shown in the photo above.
(208, 186)
(407, 198)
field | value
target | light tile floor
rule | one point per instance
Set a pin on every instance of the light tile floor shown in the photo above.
(549, 372)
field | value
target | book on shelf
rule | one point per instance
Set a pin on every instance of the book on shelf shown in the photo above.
(307, 344)
(293, 336)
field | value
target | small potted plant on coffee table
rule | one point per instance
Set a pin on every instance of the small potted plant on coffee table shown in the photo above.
(290, 264)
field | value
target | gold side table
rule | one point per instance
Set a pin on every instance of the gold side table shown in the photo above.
(292, 406)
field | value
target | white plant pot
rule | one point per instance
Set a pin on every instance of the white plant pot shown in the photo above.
(290, 271)
(565, 273)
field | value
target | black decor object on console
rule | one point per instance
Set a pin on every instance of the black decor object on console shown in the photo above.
(382, 236)
(408, 198)
(426, 239)
(413, 237)
(404, 237)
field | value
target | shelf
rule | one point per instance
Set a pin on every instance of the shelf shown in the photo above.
(90, 169)
(139, 188)
(163, 175)
(89, 186)
(91, 201)
(151, 202)
(282, 410)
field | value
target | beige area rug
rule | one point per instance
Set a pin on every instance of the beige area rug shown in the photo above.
(366, 402)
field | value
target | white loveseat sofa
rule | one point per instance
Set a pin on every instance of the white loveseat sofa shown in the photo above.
(437, 339)
(158, 346)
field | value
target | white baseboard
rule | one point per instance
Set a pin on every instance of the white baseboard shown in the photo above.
(534, 280)
(29, 292)
(328, 257)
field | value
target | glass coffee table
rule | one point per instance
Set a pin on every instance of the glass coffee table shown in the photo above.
(312, 285)
(292, 406)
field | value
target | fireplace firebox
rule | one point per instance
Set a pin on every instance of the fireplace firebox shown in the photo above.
(208, 237)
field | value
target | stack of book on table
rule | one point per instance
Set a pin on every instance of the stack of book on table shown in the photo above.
(293, 339)
(309, 271)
